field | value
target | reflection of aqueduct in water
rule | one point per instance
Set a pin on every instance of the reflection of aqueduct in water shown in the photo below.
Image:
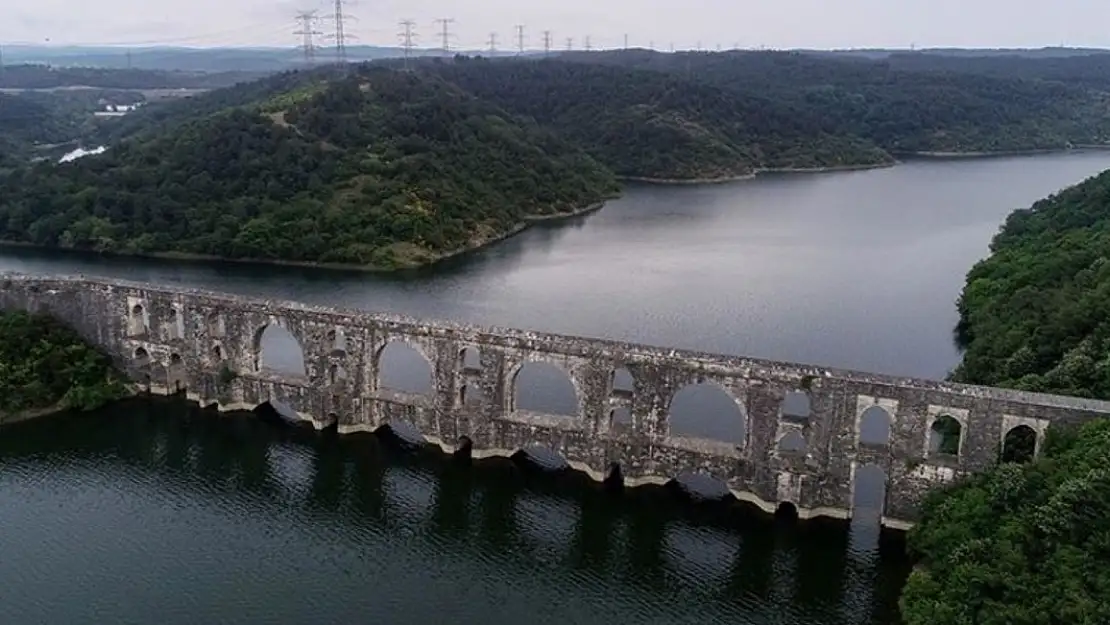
(806, 432)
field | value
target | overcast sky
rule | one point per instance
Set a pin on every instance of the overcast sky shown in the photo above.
(771, 23)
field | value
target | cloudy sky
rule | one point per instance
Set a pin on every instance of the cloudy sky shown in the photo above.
(685, 23)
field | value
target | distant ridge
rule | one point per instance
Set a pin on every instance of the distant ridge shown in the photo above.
(198, 59)
(275, 59)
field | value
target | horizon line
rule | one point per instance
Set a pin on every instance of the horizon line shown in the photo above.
(171, 46)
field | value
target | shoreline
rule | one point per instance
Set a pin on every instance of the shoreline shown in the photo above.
(525, 223)
(938, 155)
(763, 171)
(528, 221)
(943, 155)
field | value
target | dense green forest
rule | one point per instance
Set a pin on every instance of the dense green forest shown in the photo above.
(650, 125)
(1020, 544)
(45, 364)
(933, 108)
(1082, 70)
(379, 168)
(1033, 314)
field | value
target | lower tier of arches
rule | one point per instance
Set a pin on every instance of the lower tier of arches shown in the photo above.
(837, 496)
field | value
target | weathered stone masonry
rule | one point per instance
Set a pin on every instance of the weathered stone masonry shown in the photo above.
(207, 345)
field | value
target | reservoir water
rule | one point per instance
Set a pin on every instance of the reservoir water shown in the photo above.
(159, 513)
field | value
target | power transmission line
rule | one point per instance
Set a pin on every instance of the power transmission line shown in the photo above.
(492, 43)
(445, 24)
(546, 42)
(626, 41)
(520, 39)
(587, 43)
(341, 35)
(407, 36)
(307, 31)
(570, 43)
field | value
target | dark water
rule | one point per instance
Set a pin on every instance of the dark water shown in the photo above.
(154, 514)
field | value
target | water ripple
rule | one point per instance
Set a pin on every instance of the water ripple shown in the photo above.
(139, 515)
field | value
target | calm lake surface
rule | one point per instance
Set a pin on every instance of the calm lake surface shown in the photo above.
(158, 513)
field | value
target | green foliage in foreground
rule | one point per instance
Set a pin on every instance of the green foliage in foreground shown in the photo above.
(1021, 544)
(43, 364)
(1033, 315)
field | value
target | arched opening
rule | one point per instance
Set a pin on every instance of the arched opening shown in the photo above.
(338, 339)
(471, 394)
(620, 419)
(215, 325)
(470, 360)
(337, 374)
(945, 435)
(217, 353)
(136, 321)
(796, 405)
(786, 511)
(702, 486)
(622, 382)
(403, 369)
(707, 411)
(280, 352)
(874, 427)
(277, 411)
(175, 325)
(470, 369)
(614, 477)
(544, 457)
(142, 357)
(406, 432)
(544, 387)
(792, 442)
(1019, 444)
(176, 374)
(464, 448)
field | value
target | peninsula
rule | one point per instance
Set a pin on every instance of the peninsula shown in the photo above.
(376, 168)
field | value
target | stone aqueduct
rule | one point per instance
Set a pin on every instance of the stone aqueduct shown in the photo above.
(207, 346)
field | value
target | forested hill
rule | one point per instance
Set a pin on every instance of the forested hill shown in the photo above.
(1034, 314)
(650, 125)
(165, 116)
(1090, 70)
(903, 110)
(33, 76)
(380, 168)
